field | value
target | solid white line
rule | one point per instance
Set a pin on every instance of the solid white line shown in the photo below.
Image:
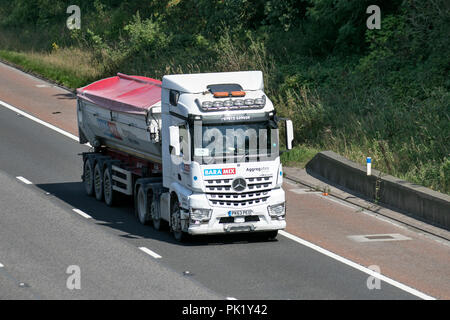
(24, 180)
(81, 213)
(357, 266)
(150, 252)
(48, 125)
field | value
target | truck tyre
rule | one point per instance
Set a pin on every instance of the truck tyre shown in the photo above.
(271, 235)
(155, 213)
(88, 178)
(98, 182)
(175, 219)
(142, 211)
(109, 193)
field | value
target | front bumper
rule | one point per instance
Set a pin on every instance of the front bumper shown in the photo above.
(236, 228)
(218, 224)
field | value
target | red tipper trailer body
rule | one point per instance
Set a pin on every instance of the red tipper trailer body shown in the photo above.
(122, 93)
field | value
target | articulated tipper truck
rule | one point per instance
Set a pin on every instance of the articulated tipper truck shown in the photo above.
(199, 153)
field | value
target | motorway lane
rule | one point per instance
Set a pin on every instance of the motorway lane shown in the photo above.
(39, 240)
(231, 266)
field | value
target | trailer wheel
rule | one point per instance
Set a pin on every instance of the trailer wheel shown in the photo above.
(88, 178)
(142, 207)
(98, 182)
(175, 226)
(109, 193)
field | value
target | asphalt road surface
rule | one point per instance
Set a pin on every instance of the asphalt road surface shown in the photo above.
(41, 236)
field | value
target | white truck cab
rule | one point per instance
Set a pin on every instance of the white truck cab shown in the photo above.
(223, 153)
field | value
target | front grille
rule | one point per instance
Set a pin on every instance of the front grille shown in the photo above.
(220, 192)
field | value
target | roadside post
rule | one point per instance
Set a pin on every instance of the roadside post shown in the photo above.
(369, 166)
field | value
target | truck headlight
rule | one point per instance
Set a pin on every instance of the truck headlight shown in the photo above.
(200, 214)
(277, 210)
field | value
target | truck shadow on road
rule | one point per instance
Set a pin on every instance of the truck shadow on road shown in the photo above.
(121, 218)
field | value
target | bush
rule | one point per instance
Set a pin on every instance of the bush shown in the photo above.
(381, 93)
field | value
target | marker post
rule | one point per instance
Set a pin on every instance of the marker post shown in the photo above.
(369, 166)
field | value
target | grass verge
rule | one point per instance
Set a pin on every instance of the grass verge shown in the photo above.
(69, 67)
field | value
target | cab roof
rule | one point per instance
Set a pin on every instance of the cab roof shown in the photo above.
(199, 82)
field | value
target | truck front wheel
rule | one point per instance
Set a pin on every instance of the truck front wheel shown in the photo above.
(142, 207)
(175, 219)
(155, 212)
(271, 235)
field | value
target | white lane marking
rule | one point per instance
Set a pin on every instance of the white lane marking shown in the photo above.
(1, 266)
(24, 180)
(288, 235)
(150, 252)
(304, 191)
(43, 86)
(231, 298)
(357, 266)
(379, 237)
(48, 125)
(81, 213)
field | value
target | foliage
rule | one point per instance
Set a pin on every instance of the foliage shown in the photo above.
(381, 93)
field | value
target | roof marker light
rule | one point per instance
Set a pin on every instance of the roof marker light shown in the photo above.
(221, 94)
(238, 93)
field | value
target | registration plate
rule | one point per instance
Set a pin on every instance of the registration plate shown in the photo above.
(237, 213)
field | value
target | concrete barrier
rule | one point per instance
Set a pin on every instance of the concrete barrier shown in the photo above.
(417, 201)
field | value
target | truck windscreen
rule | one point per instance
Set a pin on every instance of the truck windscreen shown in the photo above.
(237, 142)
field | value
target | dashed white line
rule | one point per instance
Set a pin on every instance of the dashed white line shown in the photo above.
(24, 180)
(81, 213)
(231, 298)
(150, 252)
(358, 266)
(1, 266)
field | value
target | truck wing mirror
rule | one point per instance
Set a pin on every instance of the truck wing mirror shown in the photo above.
(289, 134)
(174, 143)
(173, 97)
